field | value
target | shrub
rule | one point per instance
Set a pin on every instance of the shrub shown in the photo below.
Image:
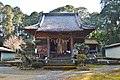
(81, 58)
(37, 64)
(83, 68)
(8, 59)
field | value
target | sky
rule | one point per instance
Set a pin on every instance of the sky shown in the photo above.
(28, 6)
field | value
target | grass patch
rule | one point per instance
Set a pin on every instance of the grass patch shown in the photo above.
(92, 66)
(1, 76)
(29, 70)
(88, 67)
(111, 75)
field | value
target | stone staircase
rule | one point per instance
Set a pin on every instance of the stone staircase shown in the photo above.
(60, 62)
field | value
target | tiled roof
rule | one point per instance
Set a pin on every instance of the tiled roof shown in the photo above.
(51, 22)
(112, 45)
(87, 41)
(3, 49)
(35, 26)
(57, 22)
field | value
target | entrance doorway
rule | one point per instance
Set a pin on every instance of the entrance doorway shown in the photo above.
(53, 47)
(60, 48)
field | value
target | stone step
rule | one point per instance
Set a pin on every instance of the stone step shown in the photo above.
(59, 62)
(60, 67)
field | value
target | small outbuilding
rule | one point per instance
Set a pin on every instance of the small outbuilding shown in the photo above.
(6, 53)
(113, 51)
(92, 44)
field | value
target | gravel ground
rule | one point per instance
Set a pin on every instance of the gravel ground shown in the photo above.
(107, 68)
(51, 74)
(16, 77)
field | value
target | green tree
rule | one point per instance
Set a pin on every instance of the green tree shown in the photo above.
(81, 53)
(1, 5)
(1, 19)
(111, 20)
(17, 19)
(81, 59)
(107, 22)
(32, 19)
(83, 12)
(18, 15)
(71, 9)
(8, 17)
(67, 8)
(99, 33)
(1, 10)
(92, 19)
(26, 20)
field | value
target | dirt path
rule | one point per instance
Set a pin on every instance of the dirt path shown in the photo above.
(13, 74)
(17, 77)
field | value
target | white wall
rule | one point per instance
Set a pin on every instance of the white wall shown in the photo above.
(7, 55)
(113, 52)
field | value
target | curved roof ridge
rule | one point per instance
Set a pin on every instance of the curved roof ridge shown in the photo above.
(59, 14)
(78, 21)
(40, 23)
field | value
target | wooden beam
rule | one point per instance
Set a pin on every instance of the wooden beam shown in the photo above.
(71, 45)
(48, 45)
